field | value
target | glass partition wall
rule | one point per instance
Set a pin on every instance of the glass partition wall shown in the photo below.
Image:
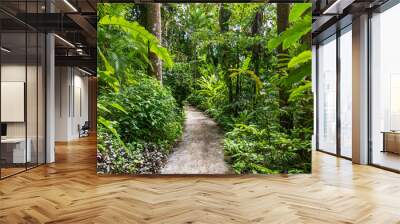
(22, 78)
(327, 95)
(385, 90)
(345, 91)
(334, 93)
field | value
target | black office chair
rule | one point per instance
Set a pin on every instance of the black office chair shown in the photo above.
(84, 130)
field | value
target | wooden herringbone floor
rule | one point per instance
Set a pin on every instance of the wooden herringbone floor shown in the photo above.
(69, 191)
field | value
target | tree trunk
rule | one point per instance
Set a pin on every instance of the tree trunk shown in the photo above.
(257, 47)
(256, 30)
(224, 15)
(153, 24)
(286, 120)
(282, 15)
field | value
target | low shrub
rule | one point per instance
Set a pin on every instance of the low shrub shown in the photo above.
(147, 120)
(180, 81)
(254, 150)
(153, 115)
(139, 158)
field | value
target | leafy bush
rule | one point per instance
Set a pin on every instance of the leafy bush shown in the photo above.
(254, 150)
(180, 80)
(211, 90)
(153, 115)
(139, 158)
(138, 119)
(148, 122)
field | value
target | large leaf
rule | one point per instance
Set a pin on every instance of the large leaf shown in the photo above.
(163, 54)
(119, 107)
(109, 75)
(107, 65)
(132, 27)
(303, 57)
(140, 35)
(102, 108)
(296, 32)
(274, 43)
(298, 91)
(110, 126)
(298, 74)
(246, 62)
(291, 35)
(298, 10)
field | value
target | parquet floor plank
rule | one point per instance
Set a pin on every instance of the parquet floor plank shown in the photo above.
(69, 191)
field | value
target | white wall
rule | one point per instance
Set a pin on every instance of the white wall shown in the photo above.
(33, 126)
(62, 82)
(14, 72)
(71, 102)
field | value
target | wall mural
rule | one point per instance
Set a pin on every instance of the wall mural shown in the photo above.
(204, 88)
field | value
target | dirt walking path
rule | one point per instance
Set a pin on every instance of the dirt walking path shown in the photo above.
(201, 149)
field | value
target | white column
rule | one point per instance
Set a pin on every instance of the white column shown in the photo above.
(360, 90)
(50, 92)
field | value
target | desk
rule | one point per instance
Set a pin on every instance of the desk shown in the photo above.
(391, 141)
(13, 150)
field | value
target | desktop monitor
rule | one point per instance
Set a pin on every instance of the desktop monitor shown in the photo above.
(3, 129)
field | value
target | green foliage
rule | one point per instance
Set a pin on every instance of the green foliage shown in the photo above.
(247, 103)
(153, 114)
(180, 80)
(138, 118)
(254, 150)
(300, 26)
(143, 122)
(139, 37)
(302, 58)
(124, 46)
(244, 71)
(298, 10)
(236, 76)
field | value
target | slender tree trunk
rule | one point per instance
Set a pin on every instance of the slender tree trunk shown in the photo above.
(282, 12)
(224, 15)
(285, 119)
(256, 29)
(238, 79)
(153, 24)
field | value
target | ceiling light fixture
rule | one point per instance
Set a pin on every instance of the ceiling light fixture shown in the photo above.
(70, 5)
(5, 50)
(84, 71)
(65, 41)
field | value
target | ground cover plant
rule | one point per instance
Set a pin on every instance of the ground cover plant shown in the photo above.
(247, 66)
